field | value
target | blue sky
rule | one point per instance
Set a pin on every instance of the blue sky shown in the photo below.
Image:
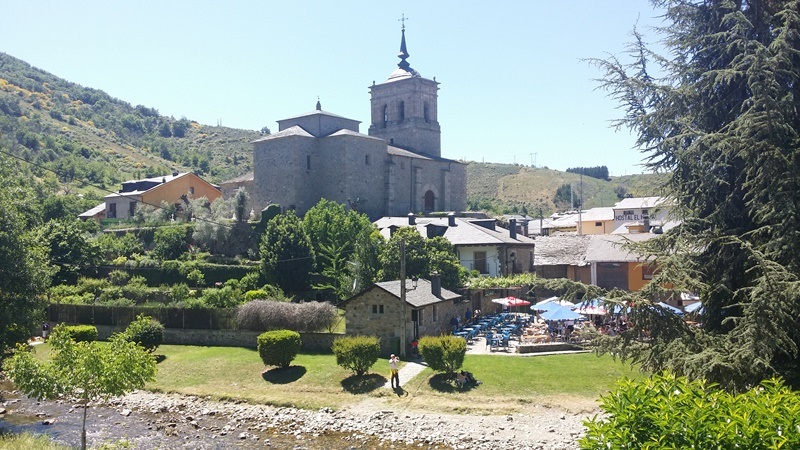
(513, 82)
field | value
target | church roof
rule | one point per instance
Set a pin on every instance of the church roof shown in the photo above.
(397, 151)
(318, 112)
(292, 131)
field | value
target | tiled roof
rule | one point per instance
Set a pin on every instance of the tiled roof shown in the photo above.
(420, 296)
(240, 179)
(465, 232)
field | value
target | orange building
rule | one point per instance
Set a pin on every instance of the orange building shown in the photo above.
(153, 191)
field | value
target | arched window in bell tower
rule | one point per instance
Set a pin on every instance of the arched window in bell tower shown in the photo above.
(385, 116)
(401, 112)
(426, 112)
(430, 201)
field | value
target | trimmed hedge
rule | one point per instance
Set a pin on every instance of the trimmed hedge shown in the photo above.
(279, 347)
(357, 353)
(443, 353)
(78, 333)
(145, 331)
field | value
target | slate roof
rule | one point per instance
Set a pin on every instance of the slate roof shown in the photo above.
(296, 130)
(562, 249)
(94, 211)
(421, 296)
(465, 232)
(610, 247)
(249, 176)
(639, 202)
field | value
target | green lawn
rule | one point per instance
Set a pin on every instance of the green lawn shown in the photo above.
(510, 383)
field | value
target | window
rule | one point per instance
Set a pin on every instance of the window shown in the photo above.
(377, 309)
(645, 214)
(627, 213)
(131, 209)
(385, 116)
(480, 262)
(435, 313)
(308, 162)
(598, 224)
(401, 112)
(191, 190)
(426, 112)
(112, 211)
(366, 160)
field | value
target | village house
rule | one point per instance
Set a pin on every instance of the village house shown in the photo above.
(480, 244)
(152, 191)
(399, 316)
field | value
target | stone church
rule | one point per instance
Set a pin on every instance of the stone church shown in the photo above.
(395, 169)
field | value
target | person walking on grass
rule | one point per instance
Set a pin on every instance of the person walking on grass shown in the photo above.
(395, 373)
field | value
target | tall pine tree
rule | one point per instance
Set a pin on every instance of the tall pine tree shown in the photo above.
(721, 114)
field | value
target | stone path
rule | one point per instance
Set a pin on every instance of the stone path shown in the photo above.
(407, 372)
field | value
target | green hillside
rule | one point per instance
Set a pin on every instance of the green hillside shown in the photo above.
(86, 134)
(510, 188)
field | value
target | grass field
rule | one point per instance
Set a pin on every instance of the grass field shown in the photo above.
(509, 383)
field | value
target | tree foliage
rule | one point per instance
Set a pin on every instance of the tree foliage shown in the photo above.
(423, 257)
(24, 276)
(722, 117)
(287, 253)
(599, 172)
(343, 248)
(71, 250)
(86, 371)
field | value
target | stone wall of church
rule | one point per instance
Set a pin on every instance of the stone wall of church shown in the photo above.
(281, 171)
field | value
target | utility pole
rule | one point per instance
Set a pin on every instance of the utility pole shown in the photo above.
(403, 295)
(580, 209)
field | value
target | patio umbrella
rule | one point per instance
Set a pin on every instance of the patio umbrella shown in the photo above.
(551, 304)
(694, 307)
(670, 308)
(562, 313)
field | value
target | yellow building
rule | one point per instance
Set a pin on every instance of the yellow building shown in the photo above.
(153, 191)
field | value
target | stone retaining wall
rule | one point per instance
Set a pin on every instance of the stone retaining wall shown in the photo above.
(227, 338)
(558, 347)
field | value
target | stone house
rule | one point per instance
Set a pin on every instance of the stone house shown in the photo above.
(479, 243)
(153, 191)
(380, 311)
(396, 168)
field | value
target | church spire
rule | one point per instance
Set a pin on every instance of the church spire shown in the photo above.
(403, 55)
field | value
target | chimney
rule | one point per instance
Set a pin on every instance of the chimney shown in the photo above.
(436, 285)
(412, 219)
(512, 228)
(451, 219)
(175, 173)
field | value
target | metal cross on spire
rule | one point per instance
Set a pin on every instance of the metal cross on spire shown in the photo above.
(402, 21)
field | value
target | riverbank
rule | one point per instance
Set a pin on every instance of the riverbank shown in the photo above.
(150, 420)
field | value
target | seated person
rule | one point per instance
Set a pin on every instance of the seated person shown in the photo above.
(461, 379)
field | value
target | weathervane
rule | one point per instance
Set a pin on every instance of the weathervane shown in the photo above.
(402, 21)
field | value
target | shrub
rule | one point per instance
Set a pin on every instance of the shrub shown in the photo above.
(443, 353)
(78, 333)
(357, 353)
(225, 297)
(145, 331)
(256, 294)
(665, 411)
(260, 315)
(179, 292)
(118, 277)
(279, 347)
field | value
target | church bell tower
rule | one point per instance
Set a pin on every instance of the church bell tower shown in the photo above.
(404, 108)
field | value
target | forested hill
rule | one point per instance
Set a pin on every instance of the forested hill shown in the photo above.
(85, 134)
